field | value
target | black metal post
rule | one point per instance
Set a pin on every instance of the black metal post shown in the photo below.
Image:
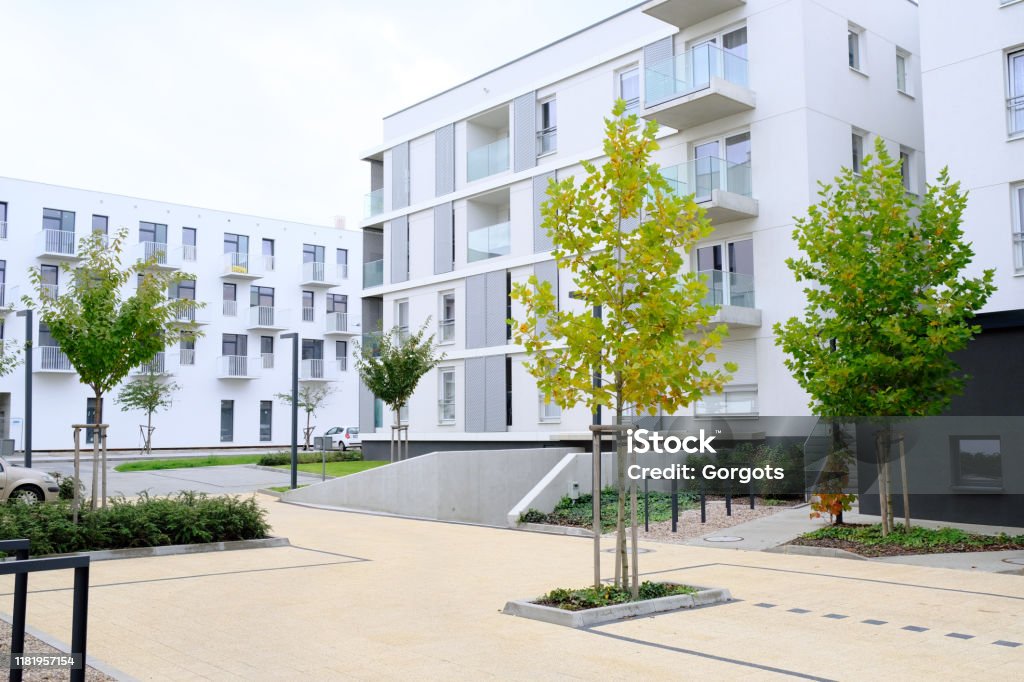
(80, 620)
(647, 508)
(27, 314)
(728, 503)
(295, 407)
(751, 493)
(675, 505)
(703, 506)
(18, 616)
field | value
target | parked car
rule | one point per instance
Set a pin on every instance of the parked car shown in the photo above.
(344, 437)
(28, 484)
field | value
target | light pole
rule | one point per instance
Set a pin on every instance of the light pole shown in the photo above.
(295, 407)
(27, 314)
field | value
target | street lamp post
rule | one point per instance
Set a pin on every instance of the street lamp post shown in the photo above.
(295, 407)
(27, 314)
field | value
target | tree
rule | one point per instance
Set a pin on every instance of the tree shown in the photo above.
(103, 332)
(393, 365)
(151, 392)
(311, 399)
(9, 357)
(887, 301)
(621, 233)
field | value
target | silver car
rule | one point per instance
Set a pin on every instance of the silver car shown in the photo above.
(30, 485)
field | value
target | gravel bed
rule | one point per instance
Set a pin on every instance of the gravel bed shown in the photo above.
(35, 646)
(690, 526)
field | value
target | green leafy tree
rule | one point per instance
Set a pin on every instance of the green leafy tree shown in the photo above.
(151, 393)
(103, 332)
(391, 367)
(10, 357)
(887, 301)
(311, 399)
(621, 233)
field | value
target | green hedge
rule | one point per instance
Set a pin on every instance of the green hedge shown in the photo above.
(281, 459)
(186, 518)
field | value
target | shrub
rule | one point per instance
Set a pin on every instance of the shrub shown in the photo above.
(533, 516)
(607, 595)
(282, 459)
(67, 486)
(185, 518)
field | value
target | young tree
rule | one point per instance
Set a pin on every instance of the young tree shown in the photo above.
(151, 392)
(622, 233)
(392, 367)
(9, 357)
(887, 300)
(311, 399)
(103, 332)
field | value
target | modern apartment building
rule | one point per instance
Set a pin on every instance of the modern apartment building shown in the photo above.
(258, 277)
(758, 101)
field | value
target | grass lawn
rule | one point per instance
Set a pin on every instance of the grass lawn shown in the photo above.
(868, 540)
(187, 462)
(337, 468)
(285, 488)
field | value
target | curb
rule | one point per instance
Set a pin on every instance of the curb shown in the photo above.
(552, 529)
(173, 550)
(806, 550)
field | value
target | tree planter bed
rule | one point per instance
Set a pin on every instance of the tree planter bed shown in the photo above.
(704, 596)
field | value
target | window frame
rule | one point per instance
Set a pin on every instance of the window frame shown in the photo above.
(727, 389)
(903, 56)
(446, 326)
(974, 484)
(858, 138)
(632, 104)
(1014, 93)
(442, 400)
(547, 135)
(855, 49)
(1017, 227)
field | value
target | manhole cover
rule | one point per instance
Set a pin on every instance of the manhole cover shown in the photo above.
(640, 550)
(1019, 562)
(723, 538)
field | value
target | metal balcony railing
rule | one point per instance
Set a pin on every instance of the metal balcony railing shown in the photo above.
(52, 359)
(154, 250)
(342, 323)
(266, 316)
(57, 242)
(690, 71)
(230, 308)
(189, 253)
(238, 366)
(268, 360)
(314, 369)
(155, 366)
(308, 314)
(186, 357)
(236, 263)
(3, 229)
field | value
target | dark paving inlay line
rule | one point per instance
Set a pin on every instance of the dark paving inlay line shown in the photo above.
(799, 610)
(915, 628)
(959, 635)
(764, 605)
(1003, 642)
(872, 621)
(835, 616)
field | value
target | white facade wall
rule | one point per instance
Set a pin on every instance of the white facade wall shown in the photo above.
(195, 418)
(808, 102)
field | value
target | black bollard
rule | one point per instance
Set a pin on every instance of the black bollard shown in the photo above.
(647, 509)
(703, 506)
(675, 506)
(751, 493)
(728, 503)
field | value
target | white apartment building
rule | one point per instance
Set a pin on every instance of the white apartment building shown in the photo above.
(758, 101)
(258, 277)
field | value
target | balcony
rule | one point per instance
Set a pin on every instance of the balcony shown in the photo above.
(373, 203)
(267, 317)
(373, 274)
(489, 242)
(191, 312)
(186, 357)
(238, 367)
(51, 359)
(308, 314)
(161, 253)
(733, 294)
(723, 189)
(487, 160)
(189, 253)
(318, 370)
(158, 365)
(686, 13)
(316, 274)
(229, 308)
(57, 244)
(241, 266)
(343, 324)
(697, 86)
(49, 291)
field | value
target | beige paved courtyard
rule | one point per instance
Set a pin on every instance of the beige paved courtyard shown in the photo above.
(369, 597)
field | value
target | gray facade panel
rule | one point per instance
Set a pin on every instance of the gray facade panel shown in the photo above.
(400, 249)
(524, 112)
(365, 409)
(494, 368)
(444, 159)
(541, 241)
(376, 175)
(400, 176)
(476, 401)
(496, 333)
(659, 51)
(476, 311)
(444, 235)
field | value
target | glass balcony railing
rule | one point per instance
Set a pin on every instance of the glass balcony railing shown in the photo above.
(373, 273)
(487, 160)
(373, 203)
(489, 242)
(702, 176)
(371, 342)
(728, 288)
(691, 71)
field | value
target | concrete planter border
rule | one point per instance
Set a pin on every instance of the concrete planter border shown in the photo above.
(171, 550)
(705, 596)
(553, 529)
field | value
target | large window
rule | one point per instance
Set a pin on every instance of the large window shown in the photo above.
(261, 296)
(341, 355)
(854, 40)
(308, 306)
(3, 281)
(50, 279)
(187, 352)
(230, 297)
(728, 272)
(152, 232)
(733, 400)
(446, 325)
(227, 421)
(267, 351)
(902, 69)
(341, 259)
(337, 303)
(100, 223)
(1015, 92)
(188, 244)
(55, 219)
(268, 255)
(977, 461)
(312, 253)
(266, 415)
(721, 164)
(446, 398)
(547, 136)
(235, 345)
(629, 88)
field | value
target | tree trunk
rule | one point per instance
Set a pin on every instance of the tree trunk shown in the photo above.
(309, 416)
(149, 432)
(905, 483)
(880, 456)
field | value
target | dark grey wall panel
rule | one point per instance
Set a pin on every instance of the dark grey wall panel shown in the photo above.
(444, 160)
(476, 311)
(524, 113)
(541, 241)
(496, 333)
(376, 175)
(476, 400)
(400, 176)
(494, 387)
(365, 409)
(444, 234)
(400, 249)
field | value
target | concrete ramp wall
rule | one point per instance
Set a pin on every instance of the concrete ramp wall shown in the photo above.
(478, 486)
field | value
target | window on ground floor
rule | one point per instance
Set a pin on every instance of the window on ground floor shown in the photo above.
(977, 461)
(733, 400)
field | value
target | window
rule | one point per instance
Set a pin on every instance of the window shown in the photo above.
(3, 220)
(55, 219)
(446, 398)
(229, 296)
(341, 355)
(227, 421)
(902, 59)
(50, 279)
(977, 461)
(1018, 227)
(237, 248)
(3, 281)
(337, 303)
(402, 319)
(308, 306)
(403, 414)
(341, 259)
(728, 271)
(261, 296)
(152, 232)
(629, 88)
(857, 151)
(266, 414)
(188, 244)
(267, 351)
(446, 326)
(853, 43)
(547, 136)
(1015, 92)
(100, 224)
(312, 253)
(187, 352)
(378, 413)
(234, 345)
(733, 400)
(906, 169)
(508, 305)
(90, 418)
(722, 164)
(268, 255)
(185, 289)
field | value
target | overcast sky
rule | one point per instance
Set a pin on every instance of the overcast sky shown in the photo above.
(253, 106)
